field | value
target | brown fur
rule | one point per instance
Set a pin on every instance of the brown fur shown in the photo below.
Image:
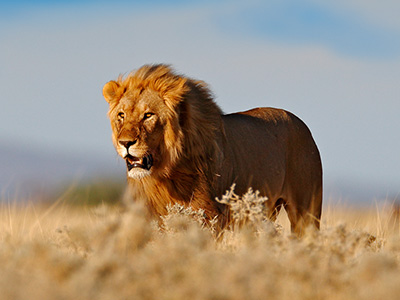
(199, 152)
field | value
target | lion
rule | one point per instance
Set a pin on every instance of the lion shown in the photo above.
(180, 148)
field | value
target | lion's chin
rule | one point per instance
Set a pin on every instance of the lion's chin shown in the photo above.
(138, 173)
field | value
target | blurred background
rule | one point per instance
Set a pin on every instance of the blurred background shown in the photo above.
(335, 64)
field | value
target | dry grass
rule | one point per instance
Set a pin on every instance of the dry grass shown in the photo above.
(98, 253)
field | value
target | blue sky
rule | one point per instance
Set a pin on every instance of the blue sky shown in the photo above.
(299, 22)
(290, 22)
(336, 64)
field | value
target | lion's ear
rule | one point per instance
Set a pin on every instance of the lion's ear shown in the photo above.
(110, 91)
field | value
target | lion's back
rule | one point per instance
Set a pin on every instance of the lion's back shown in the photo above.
(268, 122)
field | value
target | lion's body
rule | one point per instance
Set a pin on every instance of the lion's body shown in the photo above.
(188, 152)
(272, 151)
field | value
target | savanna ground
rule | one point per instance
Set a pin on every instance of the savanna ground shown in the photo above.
(63, 251)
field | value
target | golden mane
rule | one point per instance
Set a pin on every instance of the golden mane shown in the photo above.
(199, 115)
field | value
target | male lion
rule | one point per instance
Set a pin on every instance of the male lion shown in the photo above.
(180, 148)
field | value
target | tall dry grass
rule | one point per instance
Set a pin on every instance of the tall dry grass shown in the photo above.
(63, 252)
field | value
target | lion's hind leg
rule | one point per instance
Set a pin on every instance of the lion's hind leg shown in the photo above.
(274, 212)
(301, 218)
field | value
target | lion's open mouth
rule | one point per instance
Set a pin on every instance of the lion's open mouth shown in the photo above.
(145, 162)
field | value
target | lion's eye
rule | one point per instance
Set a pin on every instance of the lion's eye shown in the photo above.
(147, 115)
(121, 116)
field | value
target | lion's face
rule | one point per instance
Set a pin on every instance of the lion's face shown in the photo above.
(141, 130)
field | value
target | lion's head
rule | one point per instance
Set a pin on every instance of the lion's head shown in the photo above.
(151, 120)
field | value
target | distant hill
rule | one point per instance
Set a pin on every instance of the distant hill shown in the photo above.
(24, 172)
(353, 191)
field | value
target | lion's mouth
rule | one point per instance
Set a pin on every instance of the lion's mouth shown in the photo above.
(145, 162)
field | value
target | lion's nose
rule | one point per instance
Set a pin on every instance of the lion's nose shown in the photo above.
(127, 144)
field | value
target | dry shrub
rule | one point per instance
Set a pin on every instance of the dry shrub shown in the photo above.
(105, 253)
(248, 209)
(180, 217)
